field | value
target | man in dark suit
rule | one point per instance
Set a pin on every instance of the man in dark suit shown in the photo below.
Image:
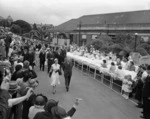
(146, 95)
(42, 59)
(50, 59)
(67, 67)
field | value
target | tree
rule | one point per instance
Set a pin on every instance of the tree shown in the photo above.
(102, 43)
(34, 27)
(15, 29)
(4, 23)
(25, 26)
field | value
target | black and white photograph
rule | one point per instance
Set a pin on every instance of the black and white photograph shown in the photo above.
(74, 59)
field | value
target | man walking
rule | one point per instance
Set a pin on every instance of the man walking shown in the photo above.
(67, 67)
(42, 59)
(50, 59)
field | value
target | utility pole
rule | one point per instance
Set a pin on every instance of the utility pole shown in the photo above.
(80, 24)
(136, 34)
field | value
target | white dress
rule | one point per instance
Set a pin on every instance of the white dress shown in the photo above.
(54, 80)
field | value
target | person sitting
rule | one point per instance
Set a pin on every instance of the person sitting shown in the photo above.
(104, 64)
(118, 62)
(119, 72)
(131, 66)
(112, 67)
(40, 102)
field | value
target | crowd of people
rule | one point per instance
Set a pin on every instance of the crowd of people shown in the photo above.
(137, 87)
(18, 79)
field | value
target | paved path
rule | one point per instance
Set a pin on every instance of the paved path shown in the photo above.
(99, 102)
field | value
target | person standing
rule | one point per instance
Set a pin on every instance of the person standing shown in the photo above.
(67, 67)
(146, 95)
(54, 75)
(42, 59)
(50, 59)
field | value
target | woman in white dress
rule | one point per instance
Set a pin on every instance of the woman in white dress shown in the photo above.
(54, 75)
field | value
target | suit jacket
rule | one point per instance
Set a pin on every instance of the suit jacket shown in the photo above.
(42, 57)
(67, 67)
(146, 87)
(59, 57)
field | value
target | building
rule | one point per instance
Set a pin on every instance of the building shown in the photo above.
(85, 28)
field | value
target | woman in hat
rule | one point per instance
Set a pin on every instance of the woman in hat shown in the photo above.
(54, 75)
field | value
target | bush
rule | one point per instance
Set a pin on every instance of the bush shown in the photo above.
(15, 29)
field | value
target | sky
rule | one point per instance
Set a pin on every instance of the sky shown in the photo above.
(59, 11)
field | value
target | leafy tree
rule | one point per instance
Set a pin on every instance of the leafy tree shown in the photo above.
(15, 29)
(34, 27)
(102, 43)
(4, 23)
(26, 28)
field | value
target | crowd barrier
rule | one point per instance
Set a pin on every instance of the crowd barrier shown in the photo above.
(114, 83)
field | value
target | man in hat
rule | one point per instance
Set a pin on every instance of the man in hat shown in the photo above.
(60, 113)
(47, 114)
(5, 99)
(146, 95)
(38, 106)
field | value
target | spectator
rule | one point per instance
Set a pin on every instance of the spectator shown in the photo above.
(131, 66)
(60, 113)
(5, 98)
(112, 68)
(119, 72)
(127, 86)
(104, 64)
(15, 75)
(47, 114)
(146, 95)
(39, 104)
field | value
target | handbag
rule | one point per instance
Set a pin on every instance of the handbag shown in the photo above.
(59, 72)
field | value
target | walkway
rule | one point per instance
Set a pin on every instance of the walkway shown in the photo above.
(99, 102)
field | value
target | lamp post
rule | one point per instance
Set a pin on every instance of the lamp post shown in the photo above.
(136, 34)
(80, 31)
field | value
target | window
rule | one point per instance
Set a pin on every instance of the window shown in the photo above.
(94, 37)
(83, 36)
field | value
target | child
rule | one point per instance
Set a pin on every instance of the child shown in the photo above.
(127, 86)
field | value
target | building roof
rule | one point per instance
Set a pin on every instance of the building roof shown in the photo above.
(132, 17)
(67, 26)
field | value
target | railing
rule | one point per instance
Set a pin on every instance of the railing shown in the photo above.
(108, 80)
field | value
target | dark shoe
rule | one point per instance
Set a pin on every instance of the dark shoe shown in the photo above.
(54, 92)
(67, 89)
(143, 117)
(139, 106)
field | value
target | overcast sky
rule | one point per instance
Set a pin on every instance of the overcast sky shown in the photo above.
(58, 11)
